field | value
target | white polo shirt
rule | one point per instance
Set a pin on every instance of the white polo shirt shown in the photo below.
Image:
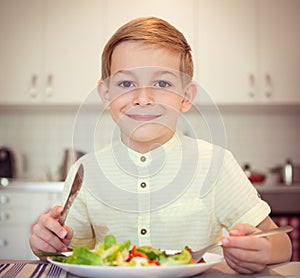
(180, 194)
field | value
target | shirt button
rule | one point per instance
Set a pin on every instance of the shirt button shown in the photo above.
(143, 184)
(143, 158)
(143, 231)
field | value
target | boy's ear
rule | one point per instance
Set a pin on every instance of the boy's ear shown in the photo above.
(190, 93)
(103, 93)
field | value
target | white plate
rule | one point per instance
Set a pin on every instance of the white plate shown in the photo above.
(149, 271)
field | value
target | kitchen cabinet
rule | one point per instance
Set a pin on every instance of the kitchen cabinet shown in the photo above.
(245, 52)
(248, 51)
(279, 55)
(19, 208)
(181, 14)
(20, 50)
(226, 49)
(50, 50)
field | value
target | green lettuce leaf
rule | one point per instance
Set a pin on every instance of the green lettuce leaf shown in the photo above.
(184, 257)
(83, 255)
(151, 252)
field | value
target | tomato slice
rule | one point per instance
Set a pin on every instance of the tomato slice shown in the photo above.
(135, 253)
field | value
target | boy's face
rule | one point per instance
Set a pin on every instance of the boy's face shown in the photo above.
(145, 94)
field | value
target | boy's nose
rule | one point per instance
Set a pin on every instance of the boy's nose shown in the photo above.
(143, 96)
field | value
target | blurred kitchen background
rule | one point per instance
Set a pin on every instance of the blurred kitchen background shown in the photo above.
(246, 57)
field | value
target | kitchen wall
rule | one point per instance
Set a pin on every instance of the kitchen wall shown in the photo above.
(263, 136)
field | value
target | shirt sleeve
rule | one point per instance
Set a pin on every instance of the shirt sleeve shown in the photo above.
(236, 199)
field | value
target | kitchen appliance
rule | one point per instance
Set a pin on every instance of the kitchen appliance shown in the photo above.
(70, 157)
(288, 173)
(253, 176)
(9, 163)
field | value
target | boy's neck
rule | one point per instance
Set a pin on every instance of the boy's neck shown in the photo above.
(146, 146)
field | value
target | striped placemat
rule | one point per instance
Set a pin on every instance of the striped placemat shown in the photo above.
(31, 270)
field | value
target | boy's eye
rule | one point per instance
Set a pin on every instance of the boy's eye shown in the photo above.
(126, 84)
(162, 84)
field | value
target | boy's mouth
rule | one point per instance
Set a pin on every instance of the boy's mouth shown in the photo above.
(142, 118)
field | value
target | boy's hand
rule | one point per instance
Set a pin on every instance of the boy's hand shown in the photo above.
(246, 254)
(48, 235)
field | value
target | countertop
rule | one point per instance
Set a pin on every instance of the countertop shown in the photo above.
(282, 199)
(277, 188)
(43, 186)
(58, 186)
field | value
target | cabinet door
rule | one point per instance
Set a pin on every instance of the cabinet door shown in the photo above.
(73, 43)
(18, 211)
(226, 50)
(20, 51)
(279, 38)
(14, 242)
(179, 13)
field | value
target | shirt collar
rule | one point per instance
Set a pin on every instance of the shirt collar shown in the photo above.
(141, 159)
(132, 161)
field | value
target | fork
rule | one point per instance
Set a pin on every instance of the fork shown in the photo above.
(197, 255)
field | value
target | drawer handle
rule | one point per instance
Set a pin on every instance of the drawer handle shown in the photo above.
(33, 91)
(252, 88)
(49, 86)
(4, 216)
(3, 243)
(3, 199)
(269, 85)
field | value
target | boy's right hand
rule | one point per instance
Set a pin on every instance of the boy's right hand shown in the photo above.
(48, 235)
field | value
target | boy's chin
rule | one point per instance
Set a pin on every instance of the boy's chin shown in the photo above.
(150, 133)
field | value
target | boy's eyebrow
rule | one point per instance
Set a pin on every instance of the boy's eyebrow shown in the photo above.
(128, 72)
(155, 73)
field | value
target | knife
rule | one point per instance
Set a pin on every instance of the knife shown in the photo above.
(72, 195)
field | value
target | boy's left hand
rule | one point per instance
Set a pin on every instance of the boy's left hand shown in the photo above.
(246, 254)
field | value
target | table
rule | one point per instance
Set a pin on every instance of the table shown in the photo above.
(23, 269)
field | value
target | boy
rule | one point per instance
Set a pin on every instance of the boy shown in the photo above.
(155, 186)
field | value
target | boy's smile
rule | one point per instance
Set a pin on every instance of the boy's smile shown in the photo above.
(145, 94)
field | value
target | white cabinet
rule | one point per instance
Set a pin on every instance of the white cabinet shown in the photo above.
(73, 44)
(20, 50)
(180, 13)
(50, 50)
(279, 50)
(248, 51)
(226, 49)
(18, 211)
(244, 51)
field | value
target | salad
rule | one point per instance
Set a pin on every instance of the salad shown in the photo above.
(110, 253)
